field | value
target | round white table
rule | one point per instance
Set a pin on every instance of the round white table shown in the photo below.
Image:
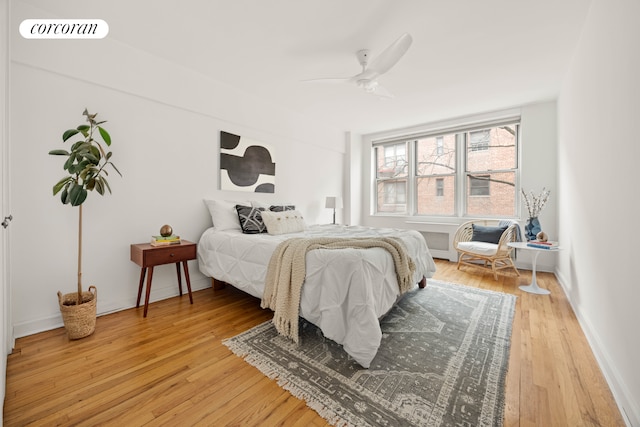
(533, 287)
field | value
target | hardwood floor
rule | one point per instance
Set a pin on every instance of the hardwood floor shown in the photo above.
(171, 368)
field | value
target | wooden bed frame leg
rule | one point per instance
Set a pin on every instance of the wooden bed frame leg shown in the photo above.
(217, 284)
(422, 283)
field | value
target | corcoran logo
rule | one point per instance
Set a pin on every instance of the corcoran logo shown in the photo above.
(64, 29)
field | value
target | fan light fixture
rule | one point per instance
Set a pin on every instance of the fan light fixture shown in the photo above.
(367, 79)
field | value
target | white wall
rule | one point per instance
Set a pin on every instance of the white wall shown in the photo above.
(165, 122)
(598, 112)
(538, 170)
(353, 180)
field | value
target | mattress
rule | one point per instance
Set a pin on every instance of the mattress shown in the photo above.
(346, 291)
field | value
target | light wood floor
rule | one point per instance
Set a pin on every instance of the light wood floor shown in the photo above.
(171, 368)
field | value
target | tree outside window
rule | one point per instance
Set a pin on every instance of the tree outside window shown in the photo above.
(471, 172)
(391, 177)
(435, 175)
(491, 165)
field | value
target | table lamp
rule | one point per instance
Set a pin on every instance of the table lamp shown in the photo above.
(333, 202)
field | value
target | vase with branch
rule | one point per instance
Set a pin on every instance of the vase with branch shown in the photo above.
(534, 204)
(86, 167)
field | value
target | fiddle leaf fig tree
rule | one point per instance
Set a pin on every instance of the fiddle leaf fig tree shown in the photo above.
(86, 167)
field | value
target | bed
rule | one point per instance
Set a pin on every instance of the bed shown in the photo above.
(346, 291)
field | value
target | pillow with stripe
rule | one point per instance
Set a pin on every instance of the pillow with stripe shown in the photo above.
(251, 219)
(282, 208)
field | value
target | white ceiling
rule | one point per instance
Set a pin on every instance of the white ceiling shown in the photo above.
(467, 56)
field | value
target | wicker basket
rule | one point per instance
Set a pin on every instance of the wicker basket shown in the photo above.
(79, 320)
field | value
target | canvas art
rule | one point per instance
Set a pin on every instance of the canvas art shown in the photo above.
(246, 165)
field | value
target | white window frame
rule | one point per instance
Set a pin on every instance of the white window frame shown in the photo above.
(392, 179)
(461, 174)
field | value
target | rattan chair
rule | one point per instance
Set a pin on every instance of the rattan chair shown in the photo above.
(498, 255)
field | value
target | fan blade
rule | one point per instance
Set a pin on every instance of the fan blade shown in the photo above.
(381, 92)
(368, 74)
(391, 55)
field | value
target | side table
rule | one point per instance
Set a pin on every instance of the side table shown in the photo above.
(533, 288)
(147, 257)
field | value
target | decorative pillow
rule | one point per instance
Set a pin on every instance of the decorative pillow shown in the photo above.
(258, 204)
(282, 208)
(283, 222)
(251, 220)
(223, 214)
(487, 234)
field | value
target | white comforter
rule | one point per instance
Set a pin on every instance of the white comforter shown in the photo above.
(345, 292)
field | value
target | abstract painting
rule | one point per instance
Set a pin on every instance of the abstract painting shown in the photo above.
(246, 165)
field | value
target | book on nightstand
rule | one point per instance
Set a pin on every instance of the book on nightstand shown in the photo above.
(165, 240)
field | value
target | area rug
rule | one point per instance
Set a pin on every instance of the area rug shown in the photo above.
(442, 362)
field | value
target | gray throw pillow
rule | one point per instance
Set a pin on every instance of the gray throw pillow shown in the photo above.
(281, 208)
(487, 234)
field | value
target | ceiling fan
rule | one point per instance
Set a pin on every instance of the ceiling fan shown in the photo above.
(367, 80)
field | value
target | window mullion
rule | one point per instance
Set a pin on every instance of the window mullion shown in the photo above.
(411, 182)
(461, 174)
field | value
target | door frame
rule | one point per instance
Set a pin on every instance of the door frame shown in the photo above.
(6, 328)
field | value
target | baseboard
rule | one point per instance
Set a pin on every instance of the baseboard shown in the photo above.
(628, 407)
(52, 322)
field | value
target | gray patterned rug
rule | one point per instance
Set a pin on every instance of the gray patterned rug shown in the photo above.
(442, 362)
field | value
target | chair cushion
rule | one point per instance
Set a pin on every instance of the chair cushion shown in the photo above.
(480, 248)
(487, 234)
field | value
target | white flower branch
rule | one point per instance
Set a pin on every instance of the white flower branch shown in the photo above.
(535, 203)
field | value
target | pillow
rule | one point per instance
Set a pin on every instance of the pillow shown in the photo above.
(283, 222)
(251, 220)
(282, 208)
(487, 234)
(223, 214)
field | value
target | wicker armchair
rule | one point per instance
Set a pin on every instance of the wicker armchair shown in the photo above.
(496, 254)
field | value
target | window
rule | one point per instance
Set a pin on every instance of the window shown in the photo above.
(439, 187)
(479, 140)
(469, 171)
(490, 168)
(479, 185)
(391, 177)
(395, 193)
(440, 145)
(435, 174)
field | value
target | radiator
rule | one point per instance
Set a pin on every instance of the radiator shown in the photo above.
(440, 244)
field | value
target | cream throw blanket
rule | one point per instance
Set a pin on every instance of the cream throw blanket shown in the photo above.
(286, 273)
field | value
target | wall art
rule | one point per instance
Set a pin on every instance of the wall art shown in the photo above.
(246, 165)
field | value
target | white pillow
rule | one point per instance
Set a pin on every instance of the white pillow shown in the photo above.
(223, 214)
(283, 222)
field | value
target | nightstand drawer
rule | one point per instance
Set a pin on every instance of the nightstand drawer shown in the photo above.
(170, 254)
(146, 255)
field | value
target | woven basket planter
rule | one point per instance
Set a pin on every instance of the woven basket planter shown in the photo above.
(79, 320)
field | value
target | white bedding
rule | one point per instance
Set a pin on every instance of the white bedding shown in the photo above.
(345, 292)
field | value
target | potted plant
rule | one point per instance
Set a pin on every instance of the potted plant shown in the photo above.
(86, 171)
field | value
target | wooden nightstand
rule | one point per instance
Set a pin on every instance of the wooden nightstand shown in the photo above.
(147, 257)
